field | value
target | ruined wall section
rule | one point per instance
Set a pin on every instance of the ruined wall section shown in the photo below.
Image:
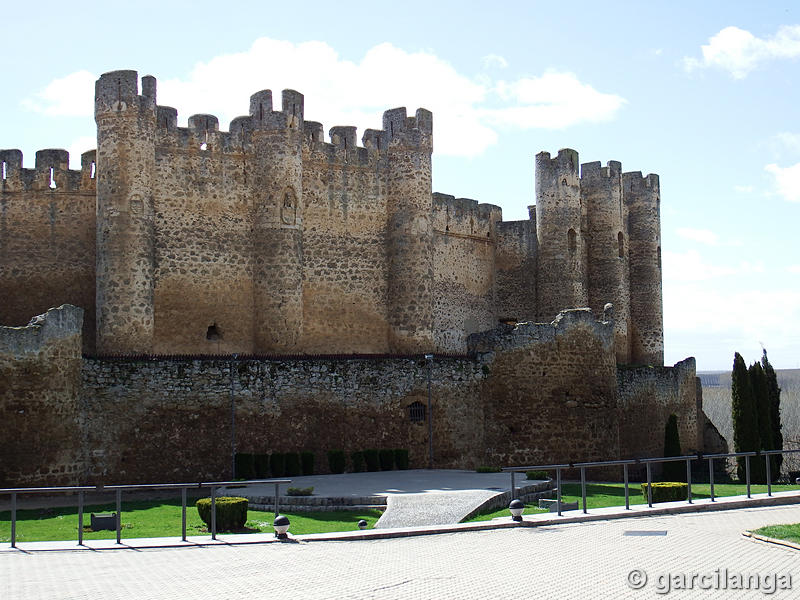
(47, 237)
(551, 393)
(561, 276)
(642, 196)
(126, 124)
(170, 420)
(647, 396)
(515, 269)
(40, 383)
(345, 279)
(465, 237)
(203, 295)
(607, 267)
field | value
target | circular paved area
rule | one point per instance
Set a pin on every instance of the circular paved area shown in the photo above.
(583, 560)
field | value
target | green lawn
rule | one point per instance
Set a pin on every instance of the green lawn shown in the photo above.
(600, 495)
(790, 533)
(162, 518)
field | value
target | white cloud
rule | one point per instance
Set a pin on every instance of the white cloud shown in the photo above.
(744, 189)
(704, 236)
(787, 181)
(690, 266)
(788, 140)
(467, 111)
(494, 61)
(739, 52)
(70, 96)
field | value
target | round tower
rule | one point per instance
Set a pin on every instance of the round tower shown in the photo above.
(277, 191)
(560, 233)
(601, 190)
(409, 229)
(642, 196)
(125, 254)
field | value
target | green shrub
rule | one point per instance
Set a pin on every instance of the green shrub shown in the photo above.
(336, 461)
(277, 464)
(292, 466)
(231, 512)
(358, 461)
(485, 469)
(262, 465)
(537, 475)
(401, 458)
(293, 491)
(244, 466)
(386, 458)
(666, 491)
(307, 462)
(371, 459)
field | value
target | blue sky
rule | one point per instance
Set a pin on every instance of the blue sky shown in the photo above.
(706, 96)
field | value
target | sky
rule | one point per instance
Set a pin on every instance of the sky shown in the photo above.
(706, 94)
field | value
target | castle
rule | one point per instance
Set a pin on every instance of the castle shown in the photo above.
(267, 247)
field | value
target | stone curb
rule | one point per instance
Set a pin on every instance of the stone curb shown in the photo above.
(770, 540)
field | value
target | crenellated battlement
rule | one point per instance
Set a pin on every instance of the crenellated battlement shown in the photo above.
(633, 181)
(593, 170)
(51, 172)
(464, 216)
(565, 163)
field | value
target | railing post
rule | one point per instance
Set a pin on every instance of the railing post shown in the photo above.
(183, 514)
(558, 490)
(769, 475)
(513, 486)
(119, 516)
(13, 519)
(747, 473)
(689, 480)
(213, 513)
(583, 488)
(649, 486)
(277, 485)
(627, 498)
(80, 518)
(711, 476)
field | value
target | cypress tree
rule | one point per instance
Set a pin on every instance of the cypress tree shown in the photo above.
(774, 393)
(672, 471)
(758, 385)
(743, 413)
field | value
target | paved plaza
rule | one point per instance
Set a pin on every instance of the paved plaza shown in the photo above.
(600, 559)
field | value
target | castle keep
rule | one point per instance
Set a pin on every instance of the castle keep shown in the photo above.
(265, 244)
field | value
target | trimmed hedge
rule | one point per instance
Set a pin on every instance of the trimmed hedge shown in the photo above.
(401, 458)
(307, 462)
(336, 461)
(292, 466)
(277, 464)
(262, 465)
(358, 461)
(488, 469)
(371, 459)
(244, 466)
(231, 512)
(666, 491)
(386, 458)
(537, 475)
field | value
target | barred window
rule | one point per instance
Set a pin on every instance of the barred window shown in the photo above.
(416, 412)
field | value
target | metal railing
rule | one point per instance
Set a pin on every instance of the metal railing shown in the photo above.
(184, 487)
(647, 462)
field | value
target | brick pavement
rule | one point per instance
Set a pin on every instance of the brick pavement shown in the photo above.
(582, 560)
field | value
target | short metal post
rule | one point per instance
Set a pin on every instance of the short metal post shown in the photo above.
(689, 480)
(747, 473)
(213, 513)
(769, 475)
(80, 518)
(558, 491)
(513, 486)
(13, 519)
(277, 485)
(627, 498)
(119, 516)
(711, 476)
(649, 486)
(183, 514)
(583, 488)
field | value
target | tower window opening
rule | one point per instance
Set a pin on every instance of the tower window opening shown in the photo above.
(93, 170)
(564, 181)
(416, 412)
(52, 179)
(621, 244)
(658, 252)
(213, 334)
(572, 241)
(5, 172)
(204, 146)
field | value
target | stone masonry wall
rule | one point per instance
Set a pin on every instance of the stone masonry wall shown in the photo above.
(515, 266)
(40, 382)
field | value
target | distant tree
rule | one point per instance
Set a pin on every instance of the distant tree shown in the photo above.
(672, 471)
(758, 386)
(774, 393)
(743, 413)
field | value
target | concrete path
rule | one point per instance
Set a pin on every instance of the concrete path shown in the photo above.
(643, 557)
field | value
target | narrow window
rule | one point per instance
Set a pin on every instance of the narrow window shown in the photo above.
(572, 241)
(659, 257)
(213, 334)
(621, 244)
(5, 173)
(416, 412)
(93, 170)
(52, 179)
